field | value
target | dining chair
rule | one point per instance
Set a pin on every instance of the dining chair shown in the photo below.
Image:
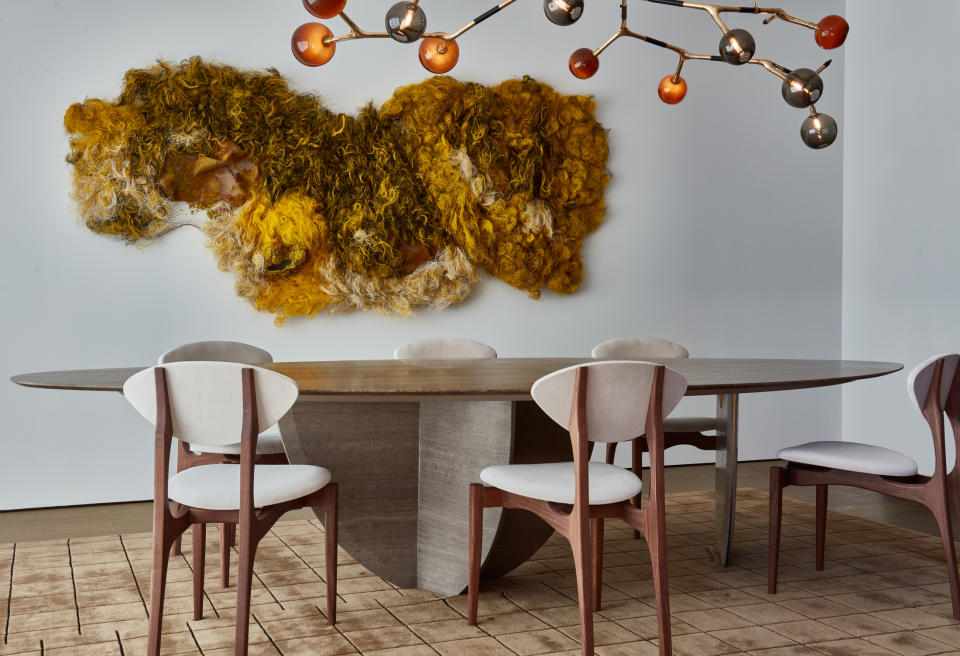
(677, 430)
(269, 445)
(444, 347)
(216, 402)
(599, 402)
(934, 388)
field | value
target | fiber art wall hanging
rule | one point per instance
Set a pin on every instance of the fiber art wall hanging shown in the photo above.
(392, 209)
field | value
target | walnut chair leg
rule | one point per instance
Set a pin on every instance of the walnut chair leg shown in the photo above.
(476, 544)
(611, 452)
(199, 557)
(657, 544)
(158, 584)
(597, 562)
(227, 534)
(941, 511)
(247, 552)
(821, 524)
(776, 511)
(583, 563)
(636, 466)
(330, 509)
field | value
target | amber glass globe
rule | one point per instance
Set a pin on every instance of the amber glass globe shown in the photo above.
(324, 8)
(308, 46)
(438, 56)
(583, 63)
(672, 92)
(831, 32)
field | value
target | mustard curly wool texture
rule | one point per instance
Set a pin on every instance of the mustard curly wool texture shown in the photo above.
(390, 210)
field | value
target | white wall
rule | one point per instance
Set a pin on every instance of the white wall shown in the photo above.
(901, 225)
(723, 231)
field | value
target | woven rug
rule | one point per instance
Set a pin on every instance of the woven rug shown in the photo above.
(884, 591)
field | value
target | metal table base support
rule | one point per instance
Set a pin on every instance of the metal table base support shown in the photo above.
(725, 484)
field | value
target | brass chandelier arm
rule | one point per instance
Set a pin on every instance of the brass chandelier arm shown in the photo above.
(354, 33)
(716, 10)
(685, 55)
(357, 33)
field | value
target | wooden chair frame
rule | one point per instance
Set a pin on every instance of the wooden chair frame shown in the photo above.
(252, 524)
(934, 492)
(582, 524)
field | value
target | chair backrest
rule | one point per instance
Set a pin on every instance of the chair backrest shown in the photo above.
(206, 398)
(639, 347)
(617, 397)
(921, 380)
(444, 347)
(216, 352)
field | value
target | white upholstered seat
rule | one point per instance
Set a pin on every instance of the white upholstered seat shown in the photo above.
(217, 487)
(851, 456)
(554, 481)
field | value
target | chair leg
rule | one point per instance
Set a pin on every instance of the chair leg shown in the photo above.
(476, 544)
(330, 524)
(657, 543)
(583, 563)
(611, 452)
(821, 524)
(227, 535)
(597, 562)
(199, 557)
(773, 543)
(941, 511)
(158, 582)
(636, 465)
(247, 551)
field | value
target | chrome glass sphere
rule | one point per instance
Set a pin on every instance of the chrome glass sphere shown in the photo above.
(406, 22)
(819, 130)
(802, 88)
(563, 12)
(737, 47)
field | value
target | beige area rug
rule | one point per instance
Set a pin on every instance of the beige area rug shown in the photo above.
(884, 591)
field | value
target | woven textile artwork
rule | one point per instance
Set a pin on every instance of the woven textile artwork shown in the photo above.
(392, 209)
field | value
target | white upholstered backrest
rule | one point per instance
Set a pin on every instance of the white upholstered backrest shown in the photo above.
(618, 396)
(444, 347)
(217, 352)
(639, 347)
(920, 379)
(206, 398)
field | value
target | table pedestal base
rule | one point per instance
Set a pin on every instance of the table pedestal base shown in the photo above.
(404, 471)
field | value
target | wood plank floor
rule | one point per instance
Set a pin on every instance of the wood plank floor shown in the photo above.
(112, 519)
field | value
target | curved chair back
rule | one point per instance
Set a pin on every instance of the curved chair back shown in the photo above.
(216, 352)
(444, 347)
(206, 398)
(617, 394)
(922, 381)
(639, 347)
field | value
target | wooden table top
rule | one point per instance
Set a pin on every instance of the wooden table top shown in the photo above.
(497, 379)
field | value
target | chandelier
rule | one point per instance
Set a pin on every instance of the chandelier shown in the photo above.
(313, 44)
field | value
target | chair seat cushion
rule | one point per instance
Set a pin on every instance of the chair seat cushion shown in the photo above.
(689, 424)
(217, 487)
(851, 456)
(269, 443)
(555, 481)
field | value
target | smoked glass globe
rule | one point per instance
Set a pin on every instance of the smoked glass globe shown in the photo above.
(406, 22)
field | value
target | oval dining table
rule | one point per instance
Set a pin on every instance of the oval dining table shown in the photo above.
(404, 438)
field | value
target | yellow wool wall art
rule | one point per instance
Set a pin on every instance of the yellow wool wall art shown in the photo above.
(391, 209)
